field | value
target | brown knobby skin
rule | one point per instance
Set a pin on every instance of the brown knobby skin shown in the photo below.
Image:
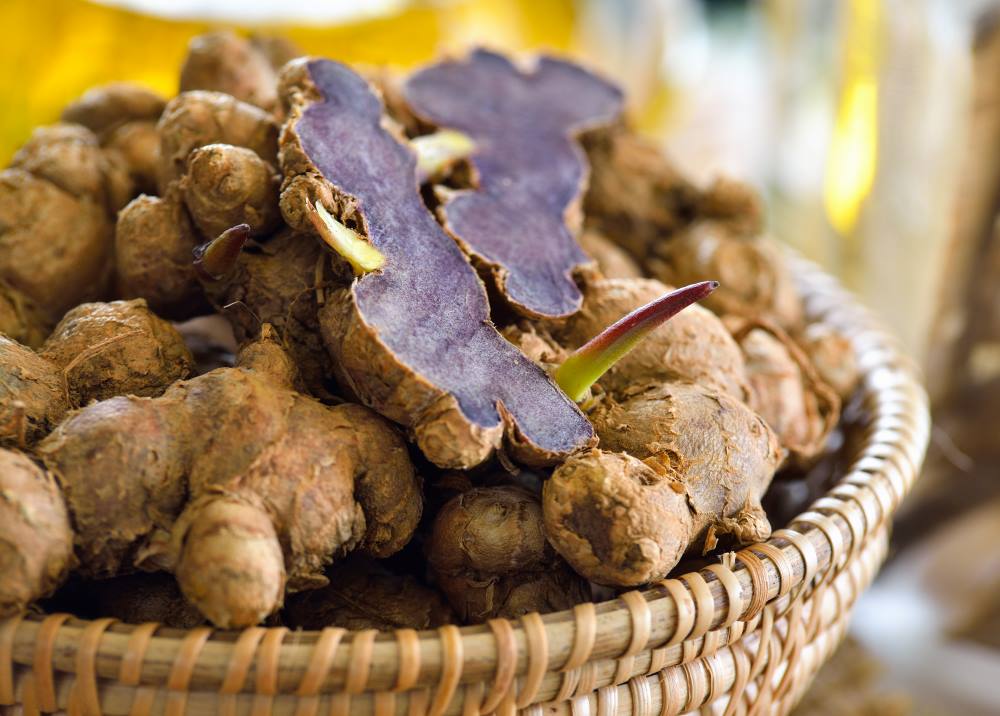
(138, 145)
(123, 116)
(33, 395)
(194, 119)
(785, 390)
(154, 239)
(694, 345)
(98, 350)
(36, 539)
(107, 349)
(488, 553)
(461, 391)
(636, 197)
(611, 260)
(712, 451)
(54, 247)
(20, 318)
(616, 519)
(104, 108)
(362, 594)
(280, 283)
(832, 355)
(226, 185)
(736, 205)
(235, 483)
(70, 157)
(222, 61)
(754, 277)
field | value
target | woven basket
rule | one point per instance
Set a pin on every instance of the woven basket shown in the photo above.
(745, 636)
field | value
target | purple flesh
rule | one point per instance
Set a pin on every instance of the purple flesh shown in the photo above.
(530, 169)
(426, 303)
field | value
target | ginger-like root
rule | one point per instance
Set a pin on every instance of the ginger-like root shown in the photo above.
(20, 318)
(107, 349)
(362, 594)
(195, 119)
(280, 284)
(489, 555)
(712, 451)
(97, 350)
(153, 244)
(123, 116)
(36, 539)
(238, 485)
(786, 390)
(70, 157)
(754, 276)
(693, 345)
(224, 62)
(617, 520)
(105, 108)
(226, 185)
(611, 260)
(54, 247)
(636, 197)
(33, 397)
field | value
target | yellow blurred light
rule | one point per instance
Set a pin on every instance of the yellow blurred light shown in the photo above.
(850, 169)
(853, 154)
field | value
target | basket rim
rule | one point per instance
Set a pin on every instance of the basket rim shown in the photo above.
(821, 541)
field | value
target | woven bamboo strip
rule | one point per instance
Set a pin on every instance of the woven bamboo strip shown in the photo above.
(833, 604)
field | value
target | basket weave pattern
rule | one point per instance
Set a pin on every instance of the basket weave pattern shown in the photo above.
(741, 637)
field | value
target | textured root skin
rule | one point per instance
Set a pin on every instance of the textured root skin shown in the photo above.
(489, 529)
(723, 454)
(54, 247)
(692, 346)
(477, 598)
(36, 541)
(616, 520)
(267, 356)
(138, 145)
(129, 487)
(227, 185)
(20, 318)
(489, 555)
(611, 260)
(194, 119)
(223, 62)
(153, 243)
(104, 108)
(313, 483)
(801, 409)
(70, 157)
(363, 595)
(230, 565)
(279, 285)
(636, 197)
(108, 349)
(754, 277)
(33, 396)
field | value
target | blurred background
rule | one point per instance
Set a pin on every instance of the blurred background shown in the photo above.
(872, 127)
